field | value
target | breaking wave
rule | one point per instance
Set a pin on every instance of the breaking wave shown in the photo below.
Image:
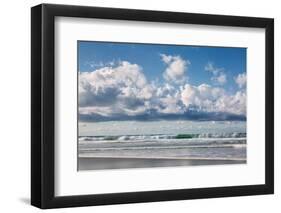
(161, 136)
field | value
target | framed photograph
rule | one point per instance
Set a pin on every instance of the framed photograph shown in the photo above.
(139, 106)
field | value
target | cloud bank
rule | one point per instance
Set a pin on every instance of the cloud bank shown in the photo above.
(122, 92)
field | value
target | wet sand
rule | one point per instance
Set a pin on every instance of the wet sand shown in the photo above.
(98, 163)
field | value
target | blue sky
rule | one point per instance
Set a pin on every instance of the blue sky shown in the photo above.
(219, 68)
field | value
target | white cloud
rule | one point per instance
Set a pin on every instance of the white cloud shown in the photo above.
(123, 89)
(166, 58)
(100, 64)
(188, 95)
(219, 77)
(235, 104)
(170, 104)
(241, 80)
(213, 99)
(166, 99)
(176, 68)
(210, 67)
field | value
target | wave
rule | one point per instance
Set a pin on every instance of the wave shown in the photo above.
(162, 136)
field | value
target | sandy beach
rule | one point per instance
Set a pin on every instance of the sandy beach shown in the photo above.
(98, 163)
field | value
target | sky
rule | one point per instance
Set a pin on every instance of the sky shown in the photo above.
(130, 81)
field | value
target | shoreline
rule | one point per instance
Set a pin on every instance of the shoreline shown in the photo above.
(102, 163)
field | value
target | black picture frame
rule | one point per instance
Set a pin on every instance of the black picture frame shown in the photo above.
(43, 102)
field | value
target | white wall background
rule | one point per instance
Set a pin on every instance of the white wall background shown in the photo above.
(15, 105)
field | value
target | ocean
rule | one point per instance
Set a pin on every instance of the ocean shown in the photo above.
(202, 140)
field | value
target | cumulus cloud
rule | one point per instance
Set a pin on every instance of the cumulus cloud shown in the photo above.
(219, 77)
(176, 68)
(235, 104)
(123, 87)
(241, 80)
(213, 99)
(167, 99)
(188, 95)
(122, 90)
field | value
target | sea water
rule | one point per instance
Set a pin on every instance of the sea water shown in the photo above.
(222, 140)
